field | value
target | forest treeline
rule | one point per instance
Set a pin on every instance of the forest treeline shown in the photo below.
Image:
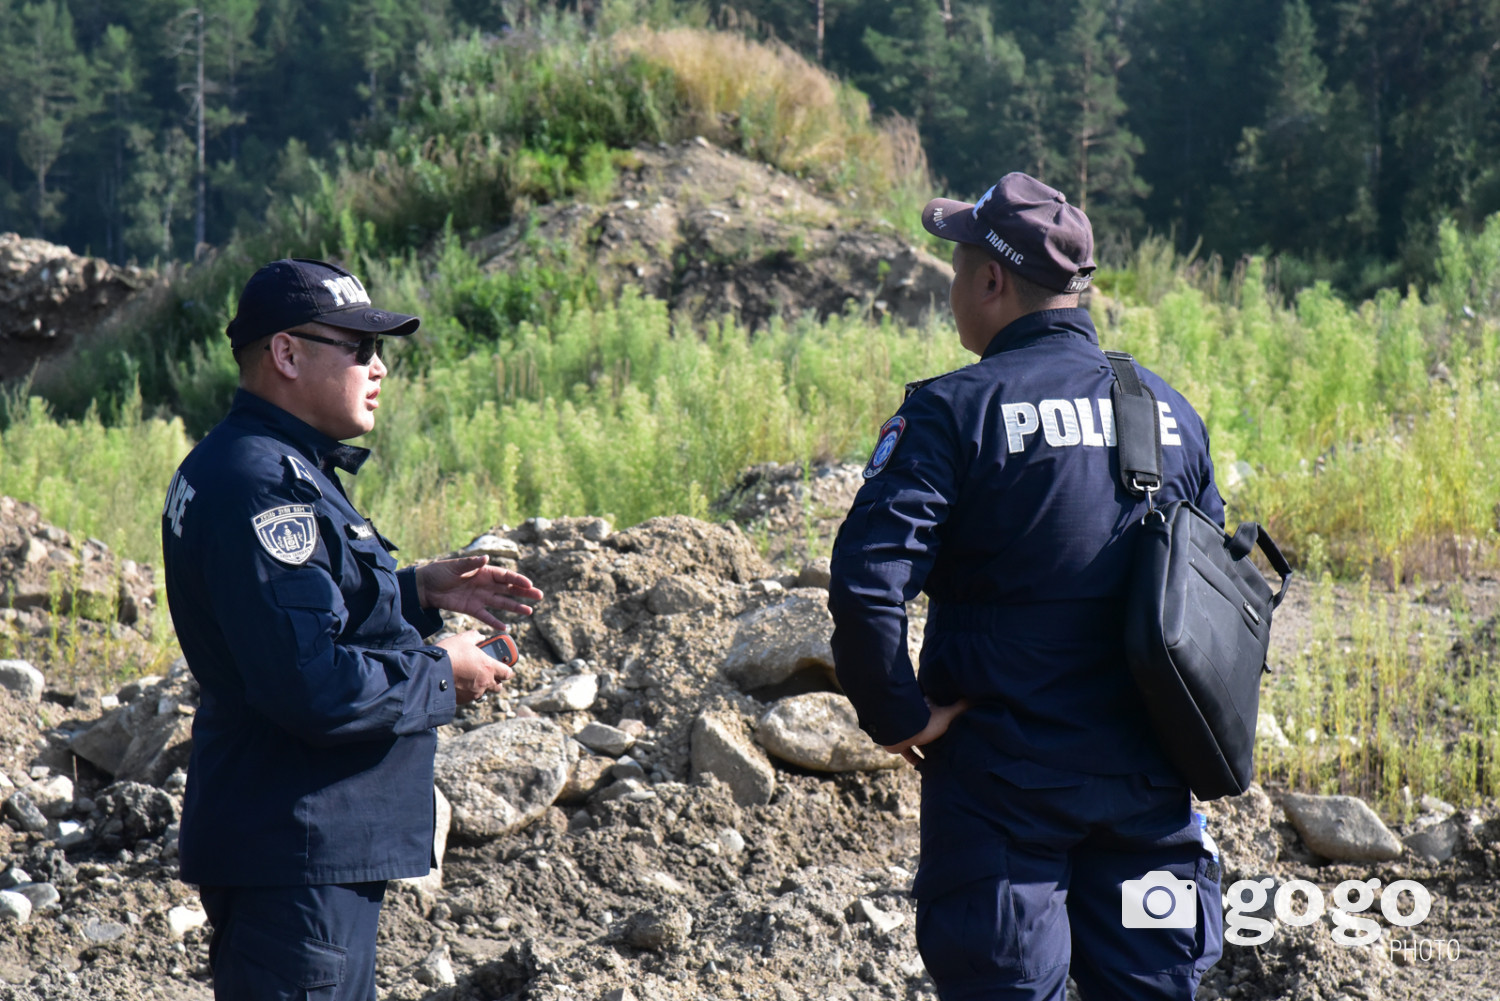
(1330, 135)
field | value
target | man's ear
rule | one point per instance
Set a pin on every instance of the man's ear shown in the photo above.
(995, 279)
(284, 355)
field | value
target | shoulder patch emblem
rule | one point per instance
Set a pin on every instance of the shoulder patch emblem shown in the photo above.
(890, 433)
(289, 532)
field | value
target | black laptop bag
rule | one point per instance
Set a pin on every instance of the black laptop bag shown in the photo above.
(1198, 615)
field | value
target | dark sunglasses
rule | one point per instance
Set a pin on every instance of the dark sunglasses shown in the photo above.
(365, 349)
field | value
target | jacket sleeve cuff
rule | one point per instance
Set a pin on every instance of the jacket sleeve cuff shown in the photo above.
(424, 620)
(431, 699)
(902, 714)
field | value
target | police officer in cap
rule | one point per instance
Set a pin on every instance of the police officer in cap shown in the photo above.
(1055, 838)
(310, 782)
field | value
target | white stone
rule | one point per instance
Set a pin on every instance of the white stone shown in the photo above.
(23, 679)
(731, 842)
(496, 547)
(437, 969)
(53, 796)
(182, 919)
(14, 907)
(43, 896)
(1431, 804)
(774, 643)
(720, 747)
(71, 833)
(605, 739)
(1268, 731)
(1439, 842)
(883, 921)
(572, 693)
(820, 730)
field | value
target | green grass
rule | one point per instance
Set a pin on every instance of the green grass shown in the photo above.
(611, 411)
(104, 481)
(1388, 694)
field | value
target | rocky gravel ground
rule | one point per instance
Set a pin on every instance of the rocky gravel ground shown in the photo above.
(672, 803)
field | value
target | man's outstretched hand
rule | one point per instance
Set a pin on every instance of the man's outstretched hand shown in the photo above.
(937, 724)
(469, 585)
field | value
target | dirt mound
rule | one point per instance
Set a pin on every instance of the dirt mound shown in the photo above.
(651, 875)
(50, 295)
(709, 232)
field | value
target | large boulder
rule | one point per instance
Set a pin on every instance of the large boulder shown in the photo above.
(1341, 828)
(502, 776)
(774, 643)
(722, 748)
(820, 730)
(147, 740)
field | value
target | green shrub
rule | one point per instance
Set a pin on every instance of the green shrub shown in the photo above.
(107, 482)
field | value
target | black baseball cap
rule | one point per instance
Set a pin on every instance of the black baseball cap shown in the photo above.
(1025, 225)
(294, 291)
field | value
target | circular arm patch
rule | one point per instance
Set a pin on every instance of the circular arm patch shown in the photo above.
(890, 433)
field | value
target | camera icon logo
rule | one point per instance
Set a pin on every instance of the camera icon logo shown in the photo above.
(1159, 900)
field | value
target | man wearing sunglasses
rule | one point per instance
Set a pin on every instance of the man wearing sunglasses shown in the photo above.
(310, 781)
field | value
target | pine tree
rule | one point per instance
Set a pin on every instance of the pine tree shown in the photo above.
(1099, 149)
(116, 73)
(381, 31)
(47, 93)
(957, 81)
(1300, 170)
(231, 53)
(159, 187)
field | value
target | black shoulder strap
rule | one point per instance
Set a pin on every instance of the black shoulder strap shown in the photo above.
(1137, 428)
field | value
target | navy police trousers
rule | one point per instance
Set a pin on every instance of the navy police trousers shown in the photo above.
(283, 942)
(1030, 873)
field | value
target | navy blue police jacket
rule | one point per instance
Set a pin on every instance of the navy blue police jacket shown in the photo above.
(313, 744)
(993, 490)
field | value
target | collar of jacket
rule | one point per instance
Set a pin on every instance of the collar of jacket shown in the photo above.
(1073, 320)
(323, 450)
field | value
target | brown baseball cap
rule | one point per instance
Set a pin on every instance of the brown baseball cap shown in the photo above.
(1025, 225)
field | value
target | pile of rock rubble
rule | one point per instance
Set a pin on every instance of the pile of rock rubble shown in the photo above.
(672, 802)
(49, 295)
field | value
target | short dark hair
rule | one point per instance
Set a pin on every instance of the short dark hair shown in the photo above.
(1033, 297)
(248, 356)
